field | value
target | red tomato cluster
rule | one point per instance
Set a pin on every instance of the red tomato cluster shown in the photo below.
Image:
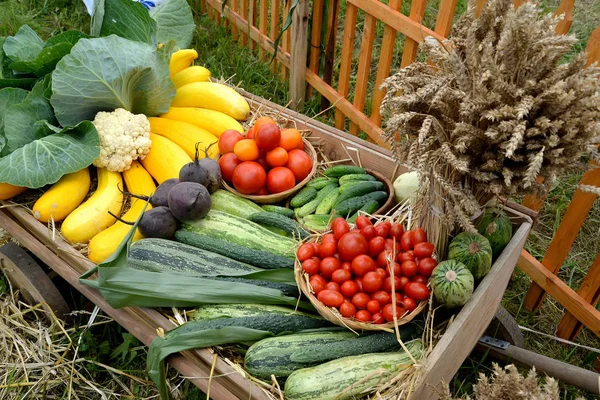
(351, 270)
(266, 160)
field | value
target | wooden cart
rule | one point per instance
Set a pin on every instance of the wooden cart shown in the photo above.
(459, 339)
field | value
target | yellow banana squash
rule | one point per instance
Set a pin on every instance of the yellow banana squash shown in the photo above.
(213, 121)
(213, 96)
(181, 60)
(8, 191)
(165, 158)
(104, 244)
(192, 74)
(92, 217)
(185, 136)
(63, 197)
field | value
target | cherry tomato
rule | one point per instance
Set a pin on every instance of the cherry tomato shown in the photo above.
(355, 230)
(397, 269)
(389, 310)
(409, 268)
(263, 162)
(267, 137)
(382, 297)
(249, 134)
(383, 229)
(333, 286)
(382, 272)
(376, 246)
(420, 279)
(280, 179)
(352, 245)
(291, 139)
(372, 282)
(228, 139)
(383, 259)
(360, 300)
(327, 249)
(340, 227)
(300, 164)
(328, 265)
(389, 245)
(249, 177)
(341, 275)
(423, 250)
(363, 316)
(328, 238)
(397, 231)
(359, 284)
(405, 256)
(310, 266)
(246, 150)
(419, 236)
(416, 291)
(277, 157)
(426, 266)
(409, 304)
(362, 264)
(330, 298)
(378, 318)
(262, 121)
(373, 306)
(368, 232)
(305, 252)
(387, 284)
(403, 281)
(348, 310)
(349, 288)
(319, 278)
(362, 221)
(228, 162)
(317, 285)
(347, 265)
(406, 241)
(317, 247)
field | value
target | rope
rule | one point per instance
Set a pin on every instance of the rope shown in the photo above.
(523, 328)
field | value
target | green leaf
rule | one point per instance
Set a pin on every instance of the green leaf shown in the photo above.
(97, 17)
(45, 161)
(8, 78)
(174, 21)
(128, 19)
(24, 46)
(122, 350)
(103, 74)
(8, 97)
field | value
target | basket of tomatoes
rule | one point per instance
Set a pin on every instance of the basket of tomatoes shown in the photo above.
(368, 278)
(268, 164)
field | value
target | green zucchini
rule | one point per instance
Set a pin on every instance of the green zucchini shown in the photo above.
(214, 311)
(240, 231)
(328, 201)
(304, 196)
(317, 222)
(341, 170)
(369, 208)
(285, 224)
(279, 210)
(258, 258)
(360, 189)
(348, 377)
(350, 206)
(320, 182)
(225, 201)
(356, 178)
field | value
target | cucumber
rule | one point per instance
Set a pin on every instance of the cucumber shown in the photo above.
(278, 231)
(341, 170)
(317, 222)
(279, 210)
(307, 209)
(320, 182)
(328, 201)
(304, 196)
(348, 185)
(349, 377)
(214, 311)
(356, 178)
(225, 201)
(360, 189)
(353, 204)
(258, 258)
(285, 224)
(369, 208)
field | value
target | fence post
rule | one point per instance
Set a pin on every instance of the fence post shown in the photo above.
(299, 47)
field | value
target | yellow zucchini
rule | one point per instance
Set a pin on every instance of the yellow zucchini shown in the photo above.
(185, 136)
(213, 96)
(191, 74)
(213, 121)
(139, 182)
(181, 60)
(92, 217)
(63, 197)
(7, 190)
(165, 158)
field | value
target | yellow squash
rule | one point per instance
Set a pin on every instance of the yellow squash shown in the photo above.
(181, 60)
(92, 216)
(165, 158)
(7, 191)
(213, 96)
(213, 121)
(185, 136)
(191, 74)
(104, 244)
(63, 197)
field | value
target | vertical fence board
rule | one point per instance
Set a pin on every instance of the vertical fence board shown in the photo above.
(244, 13)
(315, 39)
(409, 53)
(565, 7)
(251, 20)
(443, 23)
(234, 9)
(299, 47)
(202, 6)
(332, 25)
(519, 3)
(346, 64)
(593, 47)
(479, 4)
(285, 37)
(262, 25)
(274, 28)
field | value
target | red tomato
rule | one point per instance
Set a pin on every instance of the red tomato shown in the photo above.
(363, 316)
(382, 272)
(363, 221)
(406, 241)
(389, 310)
(277, 157)
(328, 238)
(409, 304)
(319, 278)
(327, 250)
(280, 179)
(339, 226)
(409, 268)
(397, 231)
(423, 249)
(405, 256)
(360, 300)
(378, 318)
(300, 164)
(262, 192)
(317, 247)
(387, 284)
(383, 229)
(305, 252)
(382, 297)
(330, 298)
(376, 246)
(249, 177)
(333, 286)
(372, 282)
(228, 162)
(347, 310)
(391, 245)
(228, 139)
(426, 266)
(267, 137)
(420, 279)
(352, 245)
(362, 264)
(403, 281)
(263, 162)
(347, 265)
(373, 306)
(384, 258)
(416, 291)
(317, 285)
(341, 275)
(328, 265)
(250, 133)
(359, 284)
(397, 269)
(349, 288)
(262, 121)
(419, 236)
(310, 266)
(368, 232)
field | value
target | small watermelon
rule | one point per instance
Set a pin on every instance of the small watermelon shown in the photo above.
(495, 225)
(474, 251)
(452, 283)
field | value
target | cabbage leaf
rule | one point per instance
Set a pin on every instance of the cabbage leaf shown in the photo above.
(174, 21)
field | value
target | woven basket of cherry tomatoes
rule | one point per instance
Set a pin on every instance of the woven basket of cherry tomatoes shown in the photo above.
(370, 277)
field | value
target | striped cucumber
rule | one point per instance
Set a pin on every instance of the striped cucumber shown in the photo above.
(275, 220)
(225, 201)
(356, 178)
(304, 196)
(279, 210)
(328, 201)
(214, 311)
(341, 170)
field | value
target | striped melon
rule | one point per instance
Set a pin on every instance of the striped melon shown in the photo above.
(474, 251)
(452, 283)
(495, 225)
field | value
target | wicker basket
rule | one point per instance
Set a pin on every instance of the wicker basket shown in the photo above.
(279, 197)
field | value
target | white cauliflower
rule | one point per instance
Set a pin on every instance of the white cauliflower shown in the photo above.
(124, 137)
